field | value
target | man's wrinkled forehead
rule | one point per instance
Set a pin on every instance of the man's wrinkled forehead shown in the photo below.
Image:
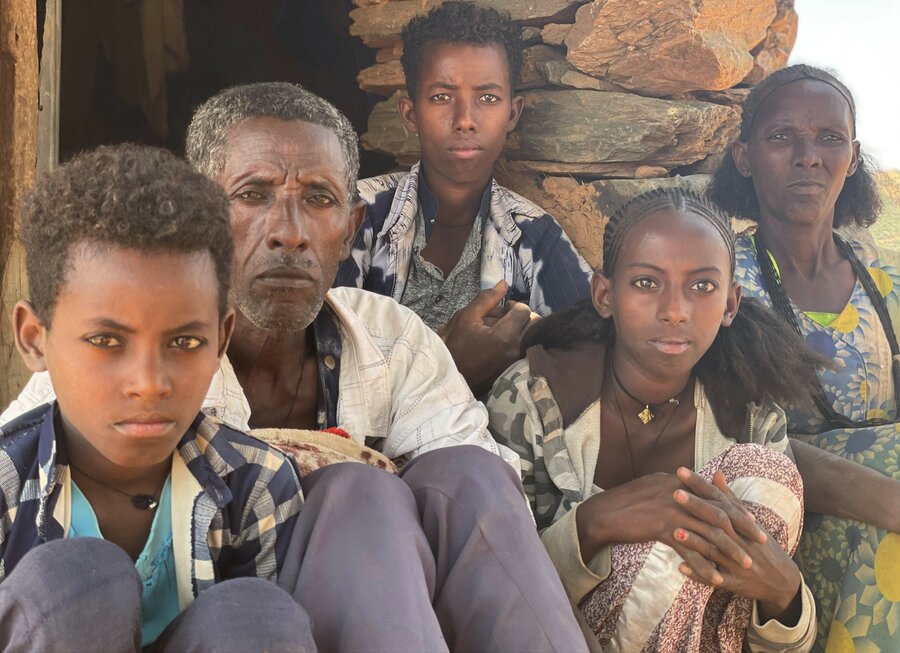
(272, 147)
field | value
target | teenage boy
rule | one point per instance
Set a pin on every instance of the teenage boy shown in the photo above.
(448, 543)
(435, 237)
(122, 506)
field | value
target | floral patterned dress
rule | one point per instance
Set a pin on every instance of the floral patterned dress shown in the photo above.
(853, 568)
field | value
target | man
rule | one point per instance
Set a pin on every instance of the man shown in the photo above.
(445, 239)
(442, 556)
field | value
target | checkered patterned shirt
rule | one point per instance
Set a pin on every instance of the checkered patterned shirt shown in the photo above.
(521, 244)
(234, 499)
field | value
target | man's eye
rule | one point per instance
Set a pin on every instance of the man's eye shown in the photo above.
(644, 283)
(322, 200)
(103, 341)
(440, 97)
(705, 286)
(250, 196)
(188, 342)
(489, 98)
(778, 137)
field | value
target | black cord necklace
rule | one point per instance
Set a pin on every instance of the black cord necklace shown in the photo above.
(296, 390)
(782, 305)
(659, 435)
(646, 415)
(139, 501)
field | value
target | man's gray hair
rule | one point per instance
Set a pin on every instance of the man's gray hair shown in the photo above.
(208, 131)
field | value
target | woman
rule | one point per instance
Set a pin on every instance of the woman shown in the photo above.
(619, 397)
(796, 169)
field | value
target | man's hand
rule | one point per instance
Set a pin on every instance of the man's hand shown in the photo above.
(485, 338)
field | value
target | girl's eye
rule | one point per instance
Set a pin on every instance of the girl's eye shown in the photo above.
(104, 341)
(778, 137)
(489, 98)
(188, 342)
(705, 286)
(833, 138)
(644, 283)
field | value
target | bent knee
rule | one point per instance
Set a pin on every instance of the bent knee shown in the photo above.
(464, 468)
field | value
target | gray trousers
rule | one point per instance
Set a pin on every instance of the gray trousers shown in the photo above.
(83, 595)
(442, 557)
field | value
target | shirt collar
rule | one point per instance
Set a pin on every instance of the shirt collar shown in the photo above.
(429, 203)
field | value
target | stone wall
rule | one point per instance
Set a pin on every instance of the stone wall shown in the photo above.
(620, 95)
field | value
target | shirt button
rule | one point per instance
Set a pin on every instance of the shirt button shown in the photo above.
(439, 297)
(330, 362)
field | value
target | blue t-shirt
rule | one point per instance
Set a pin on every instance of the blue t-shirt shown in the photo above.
(155, 565)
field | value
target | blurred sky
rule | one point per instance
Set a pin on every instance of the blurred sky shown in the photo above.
(860, 41)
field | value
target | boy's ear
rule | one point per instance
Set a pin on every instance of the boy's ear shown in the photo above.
(407, 111)
(226, 329)
(732, 304)
(357, 214)
(739, 154)
(30, 334)
(600, 287)
(515, 112)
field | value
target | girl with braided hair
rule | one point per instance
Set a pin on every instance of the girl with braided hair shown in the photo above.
(620, 397)
(797, 171)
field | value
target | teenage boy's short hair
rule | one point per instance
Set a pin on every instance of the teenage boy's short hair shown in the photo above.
(459, 22)
(140, 198)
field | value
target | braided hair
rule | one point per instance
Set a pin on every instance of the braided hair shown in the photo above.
(858, 203)
(758, 358)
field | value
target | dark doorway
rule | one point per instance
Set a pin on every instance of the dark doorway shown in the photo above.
(115, 57)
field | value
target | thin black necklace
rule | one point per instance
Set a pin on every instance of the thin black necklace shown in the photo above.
(454, 226)
(646, 415)
(296, 389)
(139, 501)
(656, 440)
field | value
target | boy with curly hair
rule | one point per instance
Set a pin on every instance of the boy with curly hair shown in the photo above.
(122, 506)
(476, 261)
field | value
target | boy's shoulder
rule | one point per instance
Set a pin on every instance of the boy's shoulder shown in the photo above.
(228, 449)
(16, 433)
(373, 189)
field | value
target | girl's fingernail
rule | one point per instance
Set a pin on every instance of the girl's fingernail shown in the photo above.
(717, 579)
(680, 534)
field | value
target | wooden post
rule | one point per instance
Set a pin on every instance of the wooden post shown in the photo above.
(18, 152)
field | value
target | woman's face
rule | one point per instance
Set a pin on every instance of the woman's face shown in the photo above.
(799, 153)
(671, 292)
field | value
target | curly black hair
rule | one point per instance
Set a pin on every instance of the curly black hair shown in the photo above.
(858, 203)
(132, 196)
(459, 22)
(759, 358)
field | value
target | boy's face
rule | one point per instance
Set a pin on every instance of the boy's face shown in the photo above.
(462, 109)
(134, 343)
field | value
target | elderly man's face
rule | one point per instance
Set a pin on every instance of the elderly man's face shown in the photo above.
(291, 216)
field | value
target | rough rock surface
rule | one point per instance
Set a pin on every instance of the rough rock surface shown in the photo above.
(774, 50)
(663, 47)
(380, 24)
(595, 126)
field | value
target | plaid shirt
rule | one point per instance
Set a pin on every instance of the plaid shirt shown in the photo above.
(234, 499)
(521, 244)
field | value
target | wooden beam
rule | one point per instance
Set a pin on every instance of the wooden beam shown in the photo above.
(48, 107)
(18, 152)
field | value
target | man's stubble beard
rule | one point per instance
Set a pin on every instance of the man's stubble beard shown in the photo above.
(276, 316)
